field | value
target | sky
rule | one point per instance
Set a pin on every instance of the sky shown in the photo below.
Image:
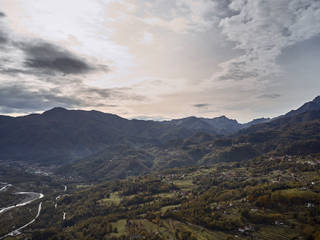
(159, 59)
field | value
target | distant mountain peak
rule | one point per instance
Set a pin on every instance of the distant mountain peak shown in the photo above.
(313, 105)
(220, 125)
(224, 117)
(55, 110)
(256, 121)
(316, 100)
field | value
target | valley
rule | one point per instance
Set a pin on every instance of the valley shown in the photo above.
(259, 182)
(264, 198)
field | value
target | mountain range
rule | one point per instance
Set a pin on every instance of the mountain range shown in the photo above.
(87, 143)
(60, 135)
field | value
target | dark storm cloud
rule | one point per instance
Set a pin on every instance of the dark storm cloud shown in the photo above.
(201, 105)
(39, 57)
(50, 59)
(16, 98)
(270, 95)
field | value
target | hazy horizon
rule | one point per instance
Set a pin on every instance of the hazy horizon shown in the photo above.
(146, 118)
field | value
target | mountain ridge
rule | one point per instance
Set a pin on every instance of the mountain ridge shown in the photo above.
(313, 105)
(60, 135)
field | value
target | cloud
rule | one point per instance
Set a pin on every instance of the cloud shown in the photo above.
(201, 105)
(101, 94)
(51, 59)
(111, 105)
(179, 16)
(3, 35)
(270, 95)
(262, 29)
(41, 58)
(36, 56)
(85, 31)
(184, 16)
(3, 38)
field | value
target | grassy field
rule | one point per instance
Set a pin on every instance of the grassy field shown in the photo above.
(114, 199)
(185, 184)
(121, 227)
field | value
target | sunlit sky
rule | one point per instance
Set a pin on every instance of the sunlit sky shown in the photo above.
(159, 59)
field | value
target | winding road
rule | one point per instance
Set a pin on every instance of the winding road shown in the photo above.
(32, 196)
(17, 231)
(5, 187)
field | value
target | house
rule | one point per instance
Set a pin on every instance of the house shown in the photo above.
(309, 205)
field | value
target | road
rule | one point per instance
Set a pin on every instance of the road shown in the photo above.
(32, 196)
(5, 187)
(17, 231)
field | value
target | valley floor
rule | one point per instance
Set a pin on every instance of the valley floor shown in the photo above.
(265, 198)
